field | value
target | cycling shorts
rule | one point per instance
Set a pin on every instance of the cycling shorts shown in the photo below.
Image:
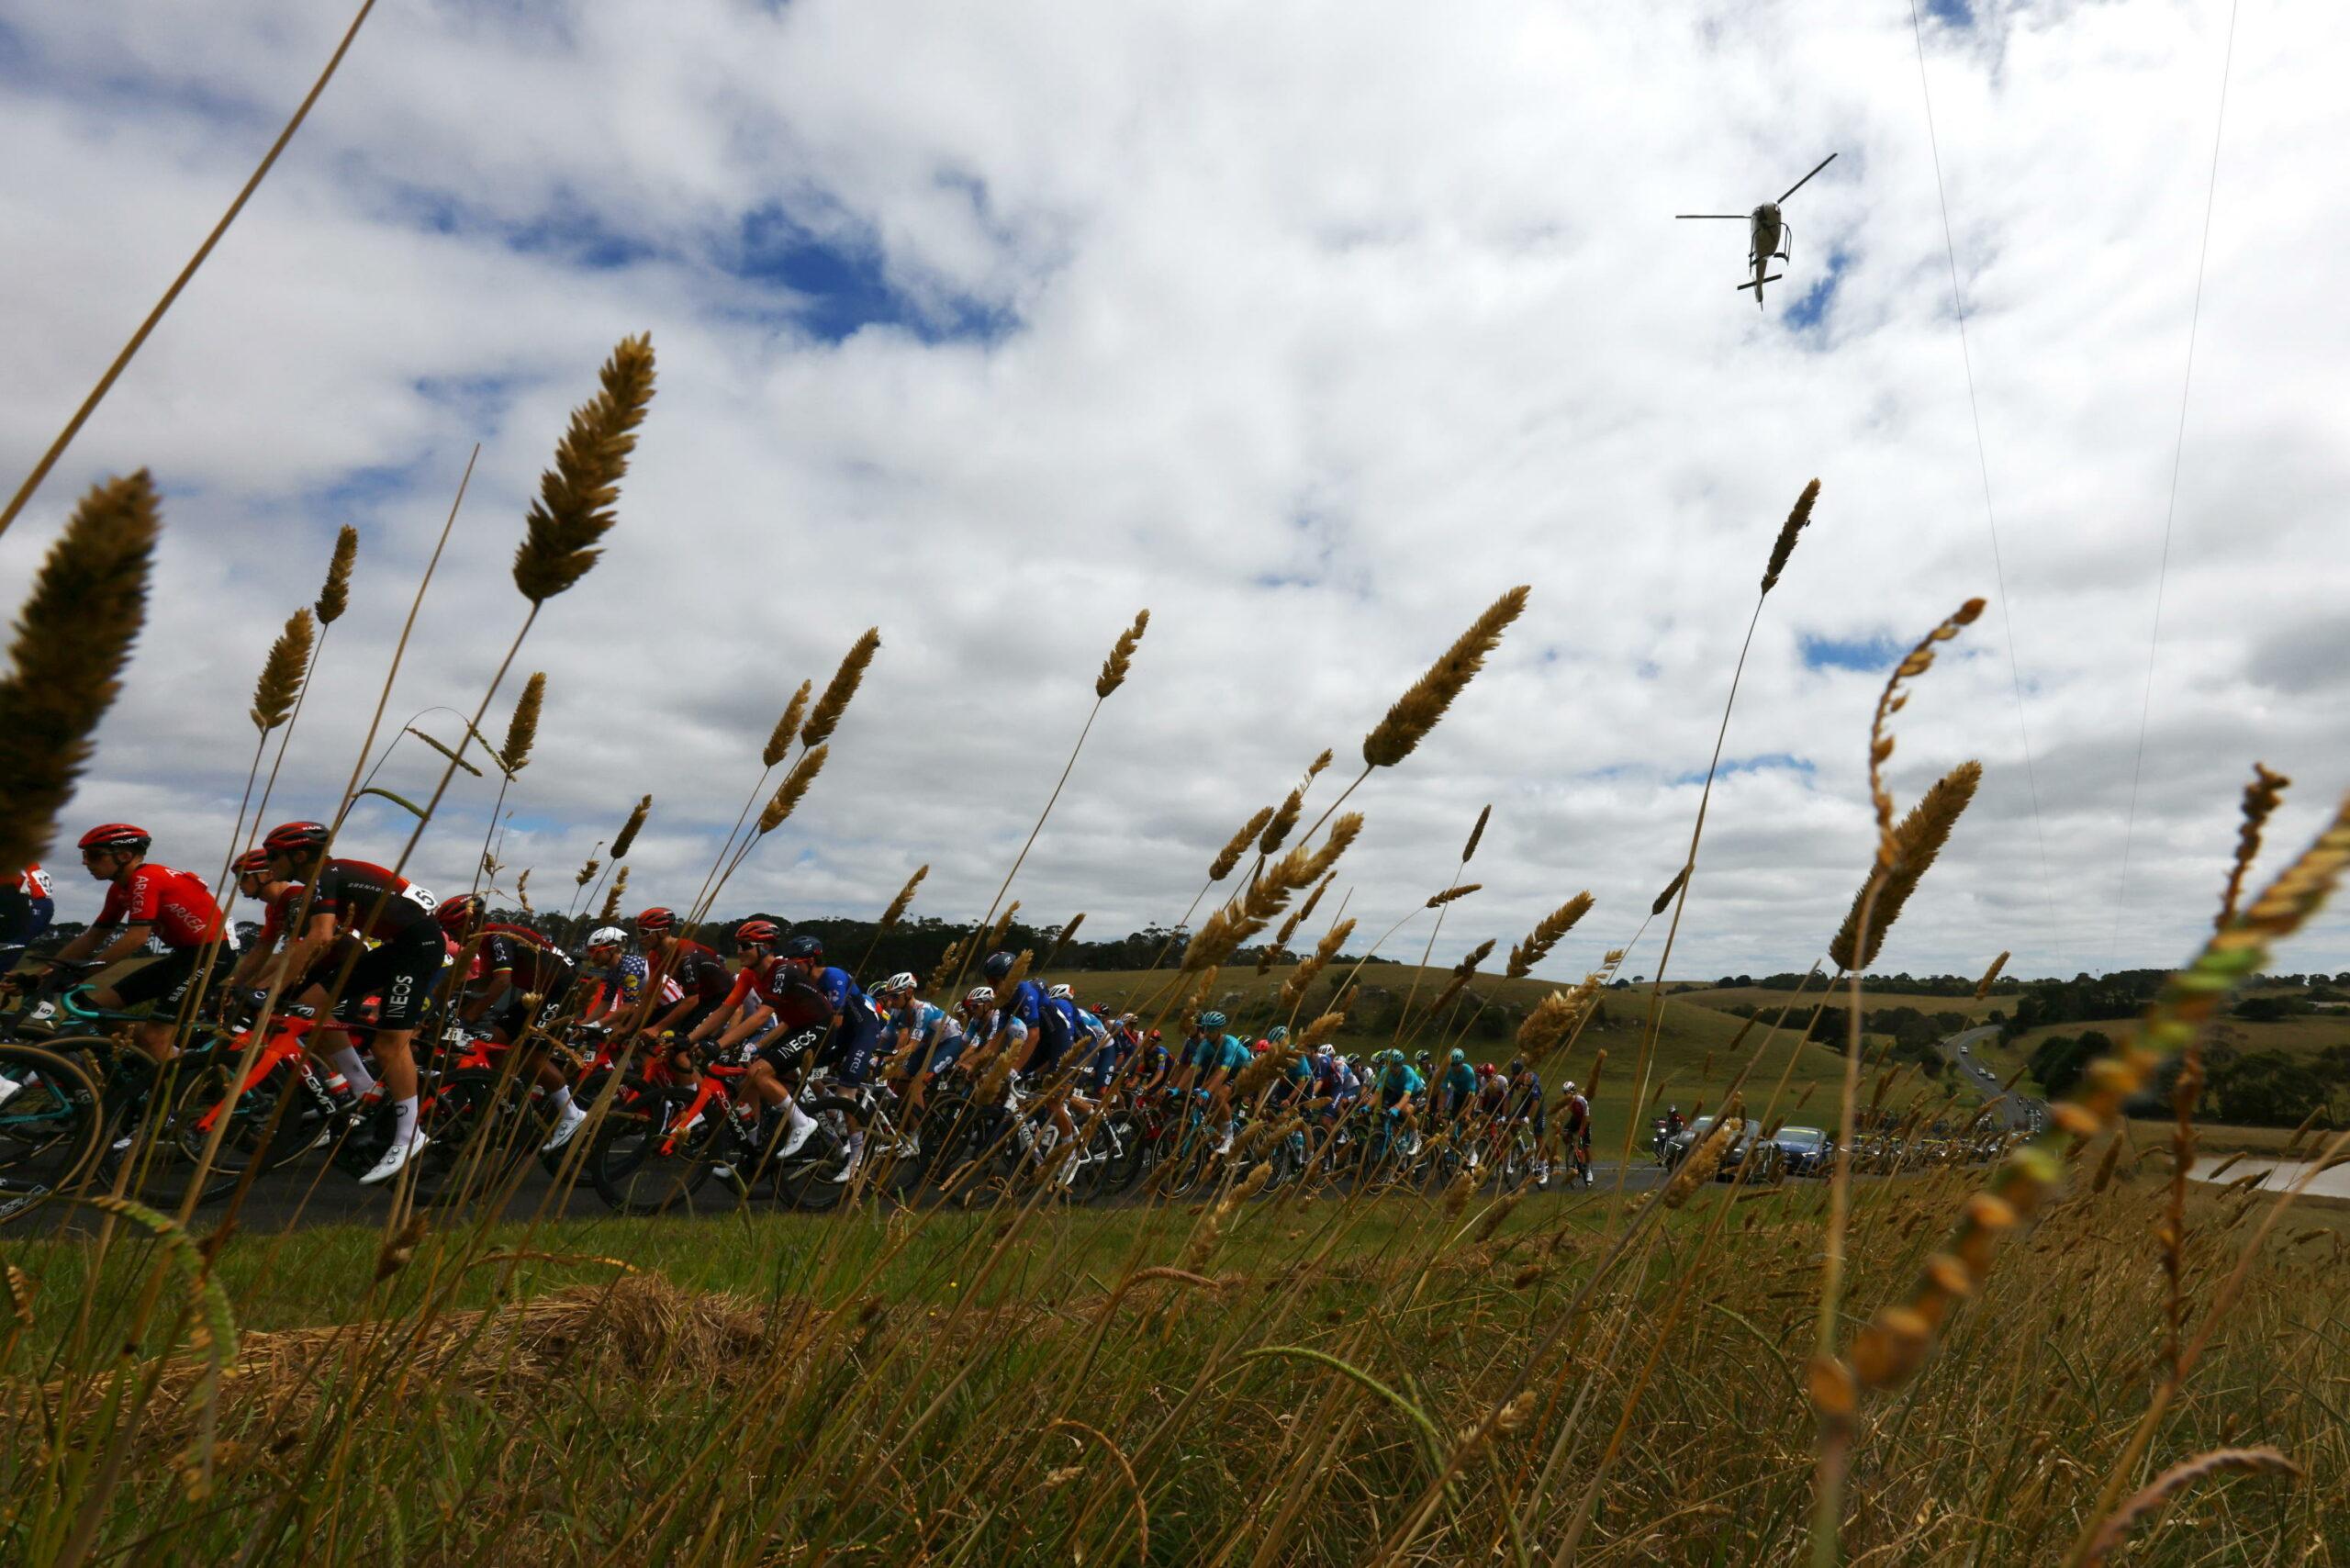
(514, 1013)
(399, 973)
(849, 1053)
(164, 982)
(946, 1054)
(787, 1049)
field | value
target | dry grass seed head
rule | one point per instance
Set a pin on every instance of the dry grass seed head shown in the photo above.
(785, 726)
(1001, 929)
(1437, 901)
(612, 910)
(1122, 656)
(897, 906)
(1306, 911)
(825, 716)
(1229, 856)
(334, 594)
(1469, 850)
(1545, 935)
(576, 496)
(1983, 986)
(2260, 800)
(629, 829)
(1917, 839)
(1284, 819)
(522, 729)
(1415, 712)
(281, 673)
(1671, 889)
(795, 784)
(87, 604)
(1786, 545)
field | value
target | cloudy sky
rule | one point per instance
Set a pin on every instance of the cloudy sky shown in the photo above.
(1311, 327)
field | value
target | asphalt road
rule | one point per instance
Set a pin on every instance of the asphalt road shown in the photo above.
(312, 1194)
(2020, 1112)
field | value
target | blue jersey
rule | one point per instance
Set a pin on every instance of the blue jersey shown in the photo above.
(1399, 1083)
(1459, 1084)
(1026, 1003)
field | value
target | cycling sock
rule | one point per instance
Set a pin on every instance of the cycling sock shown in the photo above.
(793, 1116)
(345, 1060)
(404, 1120)
(560, 1100)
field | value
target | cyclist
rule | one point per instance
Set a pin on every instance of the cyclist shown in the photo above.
(302, 995)
(1575, 1118)
(698, 974)
(615, 978)
(1213, 1060)
(144, 900)
(27, 907)
(524, 977)
(983, 1019)
(370, 903)
(925, 1041)
(1153, 1063)
(1524, 1103)
(1397, 1087)
(1047, 1032)
(781, 995)
(848, 1051)
(1457, 1090)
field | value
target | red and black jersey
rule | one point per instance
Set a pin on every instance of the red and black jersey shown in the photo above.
(797, 1003)
(696, 971)
(176, 905)
(369, 900)
(526, 957)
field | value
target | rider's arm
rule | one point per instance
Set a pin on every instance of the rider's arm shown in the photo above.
(128, 940)
(753, 1021)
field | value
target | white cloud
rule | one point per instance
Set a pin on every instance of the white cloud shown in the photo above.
(1310, 329)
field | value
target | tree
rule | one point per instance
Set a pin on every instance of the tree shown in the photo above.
(2266, 1089)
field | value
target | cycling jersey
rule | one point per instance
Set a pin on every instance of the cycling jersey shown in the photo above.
(1057, 1024)
(1399, 1083)
(699, 973)
(624, 981)
(1577, 1110)
(937, 1032)
(1213, 1053)
(803, 1017)
(532, 962)
(175, 905)
(1459, 1086)
(27, 910)
(276, 922)
(1525, 1093)
(371, 901)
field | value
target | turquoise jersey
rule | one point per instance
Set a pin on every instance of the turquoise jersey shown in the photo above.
(1398, 1084)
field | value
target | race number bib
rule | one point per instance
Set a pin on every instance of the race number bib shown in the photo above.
(421, 897)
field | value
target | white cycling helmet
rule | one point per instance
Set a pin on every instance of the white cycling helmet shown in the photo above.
(901, 980)
(1062, 994)
(1325, 1050)
(980, 996)
(1568, 1086)
(607, 937)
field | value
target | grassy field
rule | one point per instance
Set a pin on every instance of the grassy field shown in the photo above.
(1284, 1381)
(1760, 996)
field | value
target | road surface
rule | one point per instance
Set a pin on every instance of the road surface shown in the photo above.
(2018, 1111)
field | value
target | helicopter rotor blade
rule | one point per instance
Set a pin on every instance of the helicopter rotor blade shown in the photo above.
(1740, 217)
(1806, 179)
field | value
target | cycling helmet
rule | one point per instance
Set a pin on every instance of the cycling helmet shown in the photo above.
(998, 966)
(901, 980)
(292, 838)
(756, 934)
(606, 936)
(117, 835)
(1325, 1050)
(1062, 994)
(655, 920)
(1278, 1033)
(253, 862)
(1421, 1060)
(458, 913)
(1568, 1086)
(980, 996)
(806, 948)
(1484, 1069)
(1459, 1055)
(1517, 1066)
(1211, 1020)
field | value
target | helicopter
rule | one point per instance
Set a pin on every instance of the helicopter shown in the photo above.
(1766, 234)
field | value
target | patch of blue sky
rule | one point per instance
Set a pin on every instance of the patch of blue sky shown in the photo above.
(1811, 310)
(1951, 13)
(840, 283)
(1867, 655)
(1768, 762)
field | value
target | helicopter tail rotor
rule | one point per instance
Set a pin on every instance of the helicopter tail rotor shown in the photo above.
(1806, 179)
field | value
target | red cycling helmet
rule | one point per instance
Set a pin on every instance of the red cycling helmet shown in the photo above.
(117, 835)
(252, 863)
(656, 920)
(757, 934)
(292, 838)
(457, 913)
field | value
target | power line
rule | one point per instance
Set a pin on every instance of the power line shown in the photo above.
(1982, 462)
(2170, 510)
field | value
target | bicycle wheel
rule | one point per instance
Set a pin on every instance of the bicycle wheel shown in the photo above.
(53, 1125)
(476, 1135)
(641, 1164)
(816, 1176)
(264, 1127)
(1119, 1144)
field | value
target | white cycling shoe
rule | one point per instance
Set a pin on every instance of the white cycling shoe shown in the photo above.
(394, 1160)
(795, 1138)
(565, 1129)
